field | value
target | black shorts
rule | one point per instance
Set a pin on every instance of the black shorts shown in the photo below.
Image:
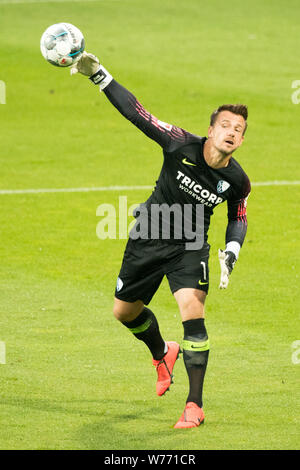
(146, 262)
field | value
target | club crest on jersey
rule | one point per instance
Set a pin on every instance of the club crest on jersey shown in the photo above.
(222, 186)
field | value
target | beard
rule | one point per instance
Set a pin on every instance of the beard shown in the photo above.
(225, 150)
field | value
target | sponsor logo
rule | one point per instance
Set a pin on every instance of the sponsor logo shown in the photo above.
(202, 283)
(71, 32)
(99, 77)
(188, 163)
(194, 189)
(222, 186)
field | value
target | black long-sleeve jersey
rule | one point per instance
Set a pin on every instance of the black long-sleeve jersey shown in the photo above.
(185, 177)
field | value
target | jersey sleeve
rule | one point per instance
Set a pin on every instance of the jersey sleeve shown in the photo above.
(166, 135)
(237, 214)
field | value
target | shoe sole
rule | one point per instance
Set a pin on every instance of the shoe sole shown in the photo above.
(193, 425)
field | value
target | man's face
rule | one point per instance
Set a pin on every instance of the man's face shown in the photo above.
(227, 132)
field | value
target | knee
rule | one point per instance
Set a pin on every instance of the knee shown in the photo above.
(118, 311)
(126, 311)
(192, 308)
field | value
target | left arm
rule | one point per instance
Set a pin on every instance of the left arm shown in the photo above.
(235, 233)
(237, 221)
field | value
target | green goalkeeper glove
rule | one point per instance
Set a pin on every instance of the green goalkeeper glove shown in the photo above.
(89, 65)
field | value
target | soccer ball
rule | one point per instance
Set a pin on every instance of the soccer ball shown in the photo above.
(62, 44)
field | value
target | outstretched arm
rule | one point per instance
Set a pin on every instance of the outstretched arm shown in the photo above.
(166, 135)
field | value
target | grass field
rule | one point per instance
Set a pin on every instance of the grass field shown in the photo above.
(73, 377)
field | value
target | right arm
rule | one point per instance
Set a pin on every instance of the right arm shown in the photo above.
(127, 104)
(167, 136)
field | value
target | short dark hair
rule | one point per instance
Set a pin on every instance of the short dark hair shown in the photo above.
(240, 109)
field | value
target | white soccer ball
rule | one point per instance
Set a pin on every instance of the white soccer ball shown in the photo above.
(62, 44)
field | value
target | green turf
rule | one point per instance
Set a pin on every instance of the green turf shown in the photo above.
(74, 378)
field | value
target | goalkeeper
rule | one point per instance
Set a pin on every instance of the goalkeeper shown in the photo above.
(196, 171)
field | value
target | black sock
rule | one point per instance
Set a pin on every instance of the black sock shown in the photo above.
(145, 328)
(195, 355)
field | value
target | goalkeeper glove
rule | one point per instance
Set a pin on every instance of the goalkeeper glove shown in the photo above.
(89, 65)
(227, 261)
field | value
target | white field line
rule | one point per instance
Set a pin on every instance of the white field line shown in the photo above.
(24, 2)
(121, 188)
(73, 190)
(275, 183)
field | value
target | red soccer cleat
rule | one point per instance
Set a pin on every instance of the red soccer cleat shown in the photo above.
(164, 368)
(192, 416)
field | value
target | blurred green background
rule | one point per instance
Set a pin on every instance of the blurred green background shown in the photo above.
(73, 377)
